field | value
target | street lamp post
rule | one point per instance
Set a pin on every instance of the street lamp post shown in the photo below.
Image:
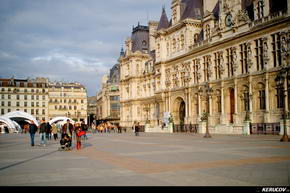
(206, 92)
(280, 79)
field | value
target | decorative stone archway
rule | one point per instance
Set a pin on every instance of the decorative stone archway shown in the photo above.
(179, 111)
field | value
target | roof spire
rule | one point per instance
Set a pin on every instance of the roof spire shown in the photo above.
(163, 23)
(122, 53)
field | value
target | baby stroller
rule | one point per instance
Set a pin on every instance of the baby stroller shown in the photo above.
(65, 143)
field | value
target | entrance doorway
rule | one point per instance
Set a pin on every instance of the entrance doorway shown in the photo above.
(179, 114)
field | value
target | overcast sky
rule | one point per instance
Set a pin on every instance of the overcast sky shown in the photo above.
(68, 40)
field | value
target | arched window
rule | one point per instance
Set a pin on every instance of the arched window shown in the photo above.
(195, 38)
(246, 98)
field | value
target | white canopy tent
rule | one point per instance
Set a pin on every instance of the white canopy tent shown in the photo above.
(20, 114)
(11, 126)
(61, 120)
(17, 126)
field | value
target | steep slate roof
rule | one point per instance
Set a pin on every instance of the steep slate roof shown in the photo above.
(163, 23)
(246, 3)
(216, 10)
(193, 9)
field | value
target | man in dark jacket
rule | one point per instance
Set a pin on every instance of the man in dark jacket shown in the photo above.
(48, 131)
(67, 128)
(32, 131)
(42, 132)
(137, 129)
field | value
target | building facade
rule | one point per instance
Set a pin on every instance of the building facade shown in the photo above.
(237, 47)
(27, 95)
(108, 99)
(69, 100)
(43, 99)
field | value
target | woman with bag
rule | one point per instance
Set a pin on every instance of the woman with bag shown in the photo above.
(79, 134)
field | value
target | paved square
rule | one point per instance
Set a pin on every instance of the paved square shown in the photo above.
(147, 160)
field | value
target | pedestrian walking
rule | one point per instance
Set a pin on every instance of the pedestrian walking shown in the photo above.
(32, 130)
(48, 131)
(54, 131)
(84, 128)
(93, 128)
(137, 129)
(42, 132)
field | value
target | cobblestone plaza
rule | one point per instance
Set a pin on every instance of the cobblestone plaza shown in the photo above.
(113, 159)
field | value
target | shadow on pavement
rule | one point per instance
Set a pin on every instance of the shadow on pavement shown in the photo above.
(25, 161)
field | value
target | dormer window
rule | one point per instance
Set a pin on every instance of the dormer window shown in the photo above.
(207, 31)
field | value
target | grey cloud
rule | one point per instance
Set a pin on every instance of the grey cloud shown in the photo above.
(68, 39)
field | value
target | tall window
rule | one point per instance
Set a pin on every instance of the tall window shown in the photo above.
(230, 57)
(246, 100)
(17, 104)
(280, 97)
(259, 54)
(32, 111)
(25, 97)
(280, 5)
(206, 70)
(217, 61)
(195, 68)
(17, 97)
(244, 58)
(262, 99)
(276, 46)
(260, 9)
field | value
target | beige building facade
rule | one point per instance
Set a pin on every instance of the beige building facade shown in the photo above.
(26, 95)
(43, 99)
(69, 100)
(237, 47)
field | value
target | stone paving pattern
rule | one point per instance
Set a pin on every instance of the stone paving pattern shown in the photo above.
(147, 160)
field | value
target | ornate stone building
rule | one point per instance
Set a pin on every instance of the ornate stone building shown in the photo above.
(236, 46)
(108, 99)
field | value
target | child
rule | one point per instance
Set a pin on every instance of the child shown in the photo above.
(79, 133)
(65, 142)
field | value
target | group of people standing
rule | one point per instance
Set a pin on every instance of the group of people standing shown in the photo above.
(68, 132)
